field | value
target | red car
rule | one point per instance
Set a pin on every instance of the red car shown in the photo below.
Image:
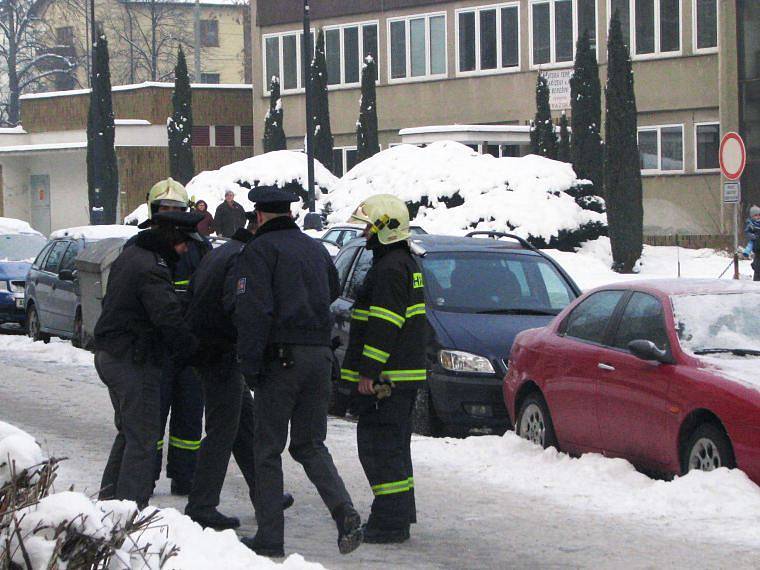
(663, 373)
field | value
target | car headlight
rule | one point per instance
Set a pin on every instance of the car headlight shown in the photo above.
(4, 287)
(458, 361)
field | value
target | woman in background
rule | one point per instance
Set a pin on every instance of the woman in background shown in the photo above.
(206, 225)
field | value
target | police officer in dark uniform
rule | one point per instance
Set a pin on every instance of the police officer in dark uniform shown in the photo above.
(141, 325)
(228, 401)
(385, 364)
(285, 283)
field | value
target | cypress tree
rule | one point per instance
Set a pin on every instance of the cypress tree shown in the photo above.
(323, 139)
(622, 174)
(180, 125)
(366, 127)
(102, 169)
(543, 137)
(274, 134)
(586, 110)
(563, 151)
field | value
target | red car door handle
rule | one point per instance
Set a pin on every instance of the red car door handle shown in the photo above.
(607, 367)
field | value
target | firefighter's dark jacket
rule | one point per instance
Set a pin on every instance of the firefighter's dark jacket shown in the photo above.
(142, 315)
(388, 325)
(285, 282)
(206, 314)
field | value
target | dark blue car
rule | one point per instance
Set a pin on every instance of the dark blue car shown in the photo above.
(17, 251)
(480, 293)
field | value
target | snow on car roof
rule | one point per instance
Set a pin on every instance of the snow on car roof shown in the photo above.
(14, 226)
(96, 232)
(688, 286)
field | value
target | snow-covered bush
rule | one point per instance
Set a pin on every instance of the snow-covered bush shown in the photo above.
(272, 168)
(452, 189)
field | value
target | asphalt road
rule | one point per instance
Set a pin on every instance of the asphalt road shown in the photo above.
(462, 523)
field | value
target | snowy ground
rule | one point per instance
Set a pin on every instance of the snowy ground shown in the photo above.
(484, 502)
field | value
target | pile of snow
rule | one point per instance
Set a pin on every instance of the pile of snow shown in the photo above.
(273, 168)
(590, 265)
(14, 226)
(58, 351)
(69, 515)
(95, 233)
(723, 504)
(459, 190)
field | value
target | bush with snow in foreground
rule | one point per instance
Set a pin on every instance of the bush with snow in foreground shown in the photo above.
(453, 189)
(41, 529)
(279, 167)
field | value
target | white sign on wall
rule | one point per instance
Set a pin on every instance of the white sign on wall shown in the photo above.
(559, 88)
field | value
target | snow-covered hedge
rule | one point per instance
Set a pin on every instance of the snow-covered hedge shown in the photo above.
(279, 167)
(453, 189)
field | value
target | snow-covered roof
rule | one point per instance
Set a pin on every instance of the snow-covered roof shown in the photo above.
(273, 168)
(465, 190)
(96, 232)
(134, 86)
(494, 134)
(466, 128)
(21, 148)
(14, 226)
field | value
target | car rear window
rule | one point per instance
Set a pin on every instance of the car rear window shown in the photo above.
(494, 282)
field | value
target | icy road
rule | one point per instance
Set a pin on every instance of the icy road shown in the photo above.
(483, 502)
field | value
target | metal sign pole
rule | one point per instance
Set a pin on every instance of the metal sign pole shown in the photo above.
(736, 240)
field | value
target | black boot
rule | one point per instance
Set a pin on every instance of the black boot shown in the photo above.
(181, 488)
(209, 517)
(269, 550)
(350, 534)
(374, 535)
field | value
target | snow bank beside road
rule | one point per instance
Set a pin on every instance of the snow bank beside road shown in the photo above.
(57, 351)
(39, 529)
(721, 506)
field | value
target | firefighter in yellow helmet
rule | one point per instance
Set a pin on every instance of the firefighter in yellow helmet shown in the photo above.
(385, 365)
(181, 390)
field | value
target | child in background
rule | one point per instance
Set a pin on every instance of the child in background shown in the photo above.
(752, 230)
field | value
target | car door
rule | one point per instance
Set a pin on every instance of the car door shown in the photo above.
(635, 416)
(45, 283)
(571, 385)
(358, 260)
(64, 297)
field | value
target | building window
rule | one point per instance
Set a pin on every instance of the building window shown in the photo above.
(661, 149)
(210, 78)
(209, 33)
(654, 26)
(344, 159)
(345, 49)
(706, 22)
(64, 36)
(500, 150)
(282, 59)
(246, 135)
(224, 135)
(417, 47)
(488, 38)
(201, 135)
(556, 26)
(707, 145)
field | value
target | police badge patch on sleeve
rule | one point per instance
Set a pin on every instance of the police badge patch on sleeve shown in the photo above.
(241, 286)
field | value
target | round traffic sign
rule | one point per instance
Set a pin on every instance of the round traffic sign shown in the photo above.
(732, 156)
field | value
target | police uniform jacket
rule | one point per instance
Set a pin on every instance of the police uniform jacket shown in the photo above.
(285, 282)
(206, 314)
(142, 316)
(388, 326)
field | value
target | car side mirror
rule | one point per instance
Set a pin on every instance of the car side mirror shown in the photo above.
(66, 275)
(647, 350)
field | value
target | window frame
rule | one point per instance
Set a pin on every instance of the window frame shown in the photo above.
(610, 326)
(696, 143)
(209, 23)
(299, 60)
(360, 26)
(552, 36)
(65, 246)
(476, 10)
(658, 129)
(657, 54)
(619, 313)
(408, 45)
(695, 30)
(205, 75)
(344, 155)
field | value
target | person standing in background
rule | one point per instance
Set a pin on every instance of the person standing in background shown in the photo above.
(229, 216)
(206, 225)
